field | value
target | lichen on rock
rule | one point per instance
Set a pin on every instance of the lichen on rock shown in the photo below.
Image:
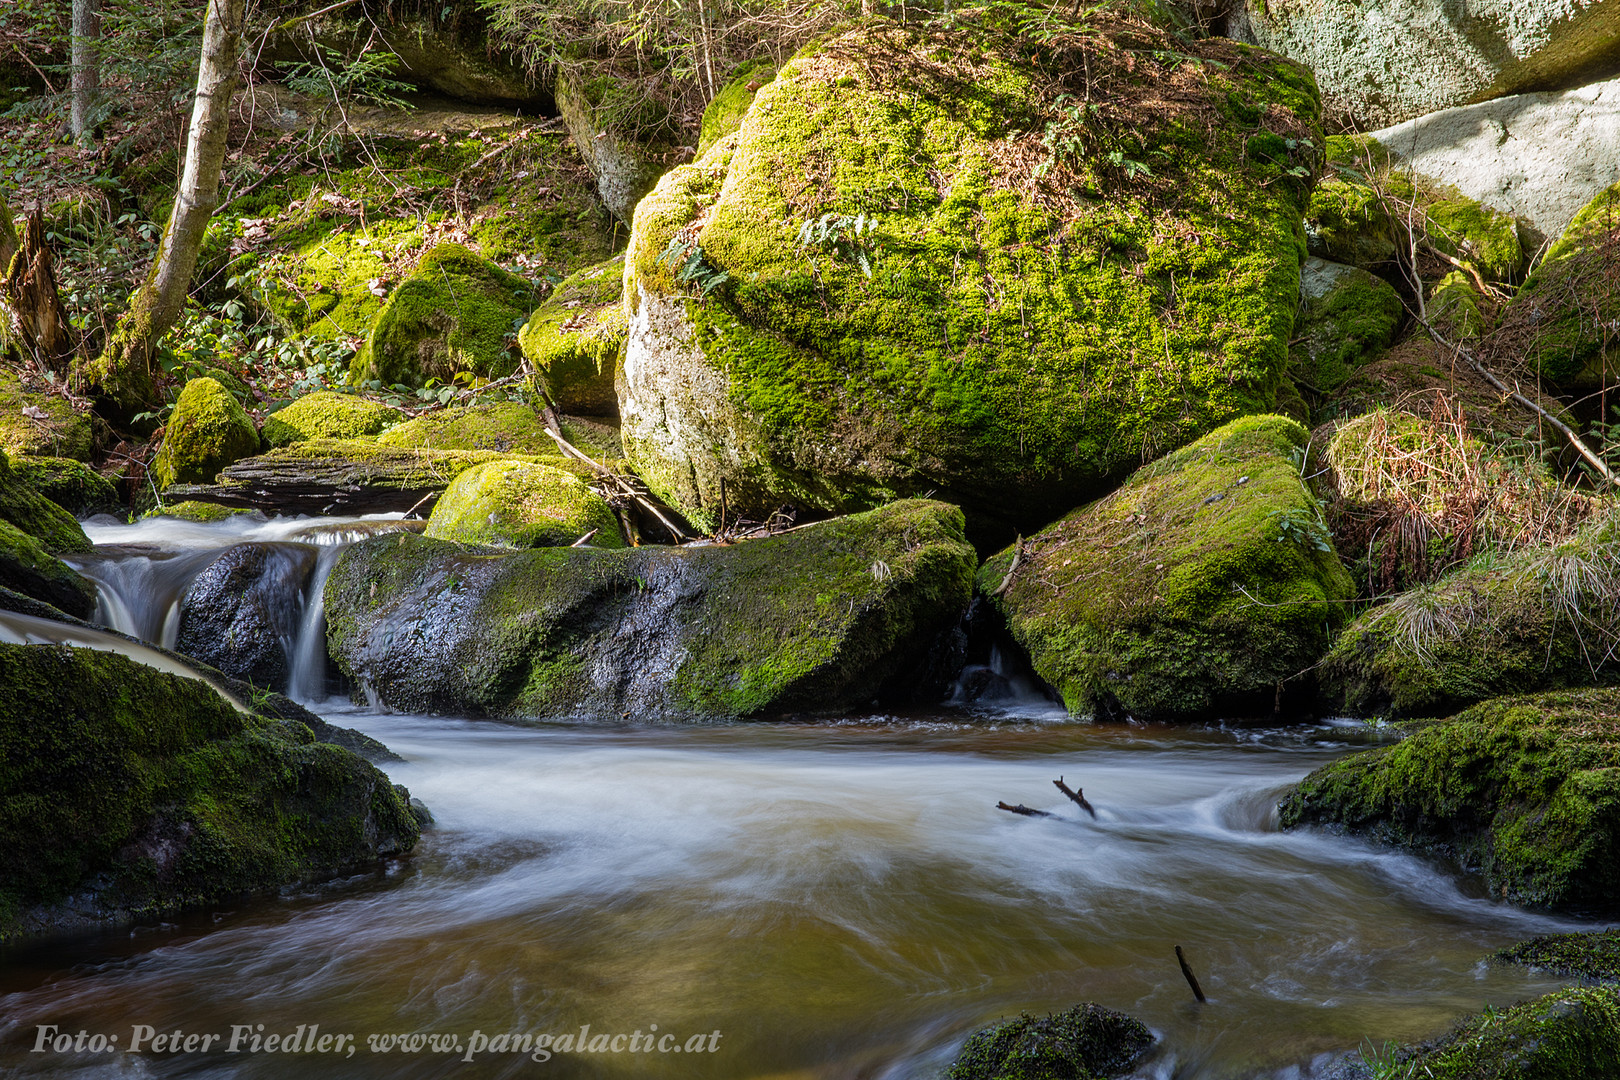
(1203, 587)
(327, 415)
(522, 505)
(207, 431)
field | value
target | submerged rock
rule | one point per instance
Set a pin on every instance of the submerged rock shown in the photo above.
(241, 615)
(207, 431)
(523, 505)
(886, 282)
(327, 415)
(829, 617)
(575, 340)
(1520, 790)
(127, 792)
(1203, 587)
(1087, 1042)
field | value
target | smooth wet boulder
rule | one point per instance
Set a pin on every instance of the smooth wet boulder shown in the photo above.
(70, 484)
(829, 617)
(890, 282)
(242, 614)
(626, 138)
(126, 792)
(1539, 618)
(207, 431)
(522, 505)
(1520, 790)
(1383, 61)
(454, 314)
(34, 421)
(1347, 316)
(1565, 323)
(1087, 1042)
(327, 415)
(1201, 588)
(575, 340)
(33, 513)
(29, 569)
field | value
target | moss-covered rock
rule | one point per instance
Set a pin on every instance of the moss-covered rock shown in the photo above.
(207, 431)
(34, 514)
(1087, 1042)
(1346, 317)
(501, 426)
(1563, 323)
(129, 792)
(456, 313)
(1456, 308)
(1573, 1034)
(522, 505)
(1042, 313)
(1347, 222)
(1534, 619)
(724, 114)
(40, 423)
(70, 484)
(29, 569)
(575, 339)
(200, 512)
(1594, 956)
(829, 617)
(327, 415)
(625, 137)
(1202, 587)
(1521, 790)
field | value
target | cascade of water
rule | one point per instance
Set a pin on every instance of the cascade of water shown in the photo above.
(307, 658)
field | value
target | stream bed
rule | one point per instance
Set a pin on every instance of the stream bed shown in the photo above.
(834, 899)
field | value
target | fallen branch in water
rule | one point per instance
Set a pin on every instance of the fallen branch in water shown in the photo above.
(1192, 980)
(1076, 796)
(624, 487)
(1021, 810)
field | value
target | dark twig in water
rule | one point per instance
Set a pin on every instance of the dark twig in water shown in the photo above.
(1021, 809)
(1192, 980)
(1076, 796)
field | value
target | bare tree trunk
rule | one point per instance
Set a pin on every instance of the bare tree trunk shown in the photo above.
(36, 325)
(86, 66)
(122, 374)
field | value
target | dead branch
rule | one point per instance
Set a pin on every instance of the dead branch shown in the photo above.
(1076, 796)
(1021, 810)
(1192, 980)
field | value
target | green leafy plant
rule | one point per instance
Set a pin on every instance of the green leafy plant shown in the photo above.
(847, 238)
(690, 265)
(1303, 527)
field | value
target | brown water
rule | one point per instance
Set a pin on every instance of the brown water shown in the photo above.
(836, 900)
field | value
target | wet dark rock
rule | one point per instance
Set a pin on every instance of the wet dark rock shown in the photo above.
(241, 615)
(1086, 1042)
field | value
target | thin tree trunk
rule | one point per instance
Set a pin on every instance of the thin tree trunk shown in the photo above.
(123, 372)
(86, 67)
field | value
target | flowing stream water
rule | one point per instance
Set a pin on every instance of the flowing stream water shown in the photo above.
(834, 899)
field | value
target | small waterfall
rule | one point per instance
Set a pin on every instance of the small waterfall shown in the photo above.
(307, 659)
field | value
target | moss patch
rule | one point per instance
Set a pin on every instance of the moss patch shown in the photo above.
(40, 423)
(70, 484)
(201, 512)
(1347, 317)
(151, 793)
(522, 505)
(503, 426)
(1200, 588)
(29, 569)
(207, 431)
(820, 619)
(1594, 956)
(456, 313)
(327, 415)
(725, 113)
(1087, 1042)
(34, 514)
(576, 338)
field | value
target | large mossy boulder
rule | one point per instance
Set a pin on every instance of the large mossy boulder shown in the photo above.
(507, 427)
(37, 422)
(242, 613)
(724, 113)
(1522, 790)
(33, 513)
(1087, 1042)
(575, 340)
(1565, 323)
(327, 415)
(126, 792)
(1203, 587)
(28, 568)
(455, 314)
(1347, 316)
(830, 617)
(70, 484)
(1539, 618)
(522, 505)
(207, 431)
(890, 281)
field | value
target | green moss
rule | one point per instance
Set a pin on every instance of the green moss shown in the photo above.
(523, 505)
(1454, 307)
(207, 431)
(34, 514)
(50, 426)
(1347, 222)
(1087, 1042)
(1012, 353)
(576, 338)
(454, 314)
(724, 114)
(1199, 588)
(327, 415)
(1347, 316)
(29, 569)
(153, 794)
(70, 484)
(204, 513)
(1594, 956)
(1521, 790)
(1566, 313)
(504, 426)
(1486, 239)
(818, 619)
